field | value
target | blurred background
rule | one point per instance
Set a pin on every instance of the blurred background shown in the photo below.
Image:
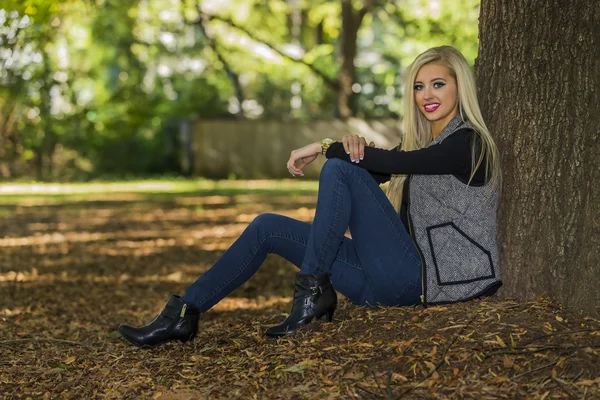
(110, 89)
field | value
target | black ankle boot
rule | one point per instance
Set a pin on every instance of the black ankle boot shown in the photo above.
(314, 297)
(178, 321)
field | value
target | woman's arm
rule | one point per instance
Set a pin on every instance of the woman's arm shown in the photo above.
(451, 156)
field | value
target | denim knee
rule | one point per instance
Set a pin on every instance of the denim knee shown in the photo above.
(265, 220)
(333, 166)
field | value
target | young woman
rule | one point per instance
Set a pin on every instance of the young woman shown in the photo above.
(431, 240)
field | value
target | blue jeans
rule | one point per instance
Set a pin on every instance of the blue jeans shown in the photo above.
(379, 265)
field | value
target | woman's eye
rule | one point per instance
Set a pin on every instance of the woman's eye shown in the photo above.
(438, 85)
(418, 87)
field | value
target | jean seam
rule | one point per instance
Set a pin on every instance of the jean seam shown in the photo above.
(330, 231)
(349, 264)
(333, 224)
(409, 284)
(384, 212)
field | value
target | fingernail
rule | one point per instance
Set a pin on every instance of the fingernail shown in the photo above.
(347, 152)
(361, 158)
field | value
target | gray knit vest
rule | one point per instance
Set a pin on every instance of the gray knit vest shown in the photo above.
(454, 227)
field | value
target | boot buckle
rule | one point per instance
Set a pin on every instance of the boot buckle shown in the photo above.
(316, 290)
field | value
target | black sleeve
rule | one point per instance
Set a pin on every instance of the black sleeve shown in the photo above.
(380, 178)
(451, 156)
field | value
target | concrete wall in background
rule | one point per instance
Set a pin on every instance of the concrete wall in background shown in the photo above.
(260, 149)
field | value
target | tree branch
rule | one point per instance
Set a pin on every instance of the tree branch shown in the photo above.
(367, 5)
(333, 83)
(239, 93)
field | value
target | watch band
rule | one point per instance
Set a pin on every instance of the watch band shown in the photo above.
(325, 143)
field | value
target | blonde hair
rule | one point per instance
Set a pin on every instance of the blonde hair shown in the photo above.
(417, 129)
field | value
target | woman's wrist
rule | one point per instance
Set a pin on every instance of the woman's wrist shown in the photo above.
(324, 145)
(318, 148)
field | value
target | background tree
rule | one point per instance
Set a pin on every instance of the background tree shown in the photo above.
(539, 80)
(100, 88)
(351, 22)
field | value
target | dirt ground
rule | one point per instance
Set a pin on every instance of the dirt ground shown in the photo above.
(71, 271)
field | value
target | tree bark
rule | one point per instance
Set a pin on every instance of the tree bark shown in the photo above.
(538, 76)
(351, 22)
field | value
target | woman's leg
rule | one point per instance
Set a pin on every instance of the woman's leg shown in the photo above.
(273, 234)
(379, 265)
(350, 197)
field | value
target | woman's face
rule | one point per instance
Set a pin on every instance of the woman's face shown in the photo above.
(436, 95)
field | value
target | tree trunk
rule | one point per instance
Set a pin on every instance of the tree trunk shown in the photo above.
(538, 76)
(348, 52)
(351, 22)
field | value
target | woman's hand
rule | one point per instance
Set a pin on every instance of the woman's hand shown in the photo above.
(303, 156)
(355, 146)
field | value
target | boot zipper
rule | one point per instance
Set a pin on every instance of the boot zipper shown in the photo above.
(183, 310)
(416, 245)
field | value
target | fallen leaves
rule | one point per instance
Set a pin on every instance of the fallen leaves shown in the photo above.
(70, 360)
(70, 274)
(589, 382)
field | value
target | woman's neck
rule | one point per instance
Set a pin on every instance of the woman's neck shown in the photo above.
(438, 126)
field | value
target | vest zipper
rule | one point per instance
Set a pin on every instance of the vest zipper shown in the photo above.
(416, 245)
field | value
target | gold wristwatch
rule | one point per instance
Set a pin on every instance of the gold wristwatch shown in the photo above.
(325, 143)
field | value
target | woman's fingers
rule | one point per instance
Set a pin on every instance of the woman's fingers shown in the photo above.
(351, 150)
(361, 148)
(303, 163)
(295, 171)
(357, 151)
(345, 143)
(291, 166)
(355, 147)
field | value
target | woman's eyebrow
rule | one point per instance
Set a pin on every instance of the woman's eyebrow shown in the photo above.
(434, 79)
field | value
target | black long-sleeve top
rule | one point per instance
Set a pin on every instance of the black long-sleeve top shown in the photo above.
(452, 156)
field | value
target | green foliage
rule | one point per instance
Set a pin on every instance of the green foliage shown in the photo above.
(96, 88)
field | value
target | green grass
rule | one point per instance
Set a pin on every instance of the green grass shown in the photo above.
(153, 190)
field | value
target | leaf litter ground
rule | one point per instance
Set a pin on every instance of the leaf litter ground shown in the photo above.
(72, 270)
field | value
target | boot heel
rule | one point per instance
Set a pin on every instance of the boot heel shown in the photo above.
(329, 315)
(187, 338)
(314, 298)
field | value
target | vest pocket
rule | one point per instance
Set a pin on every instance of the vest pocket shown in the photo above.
(458, 258)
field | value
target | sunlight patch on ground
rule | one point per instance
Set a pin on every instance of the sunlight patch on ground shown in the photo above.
(203, 200)
(243, 303)
(63, 276)
(41, 188)
(164, 237)
(153, 186)
(45, 201)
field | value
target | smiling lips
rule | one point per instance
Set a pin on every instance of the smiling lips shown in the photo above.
(431, 107)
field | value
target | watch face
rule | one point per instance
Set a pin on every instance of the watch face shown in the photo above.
(327, 141)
